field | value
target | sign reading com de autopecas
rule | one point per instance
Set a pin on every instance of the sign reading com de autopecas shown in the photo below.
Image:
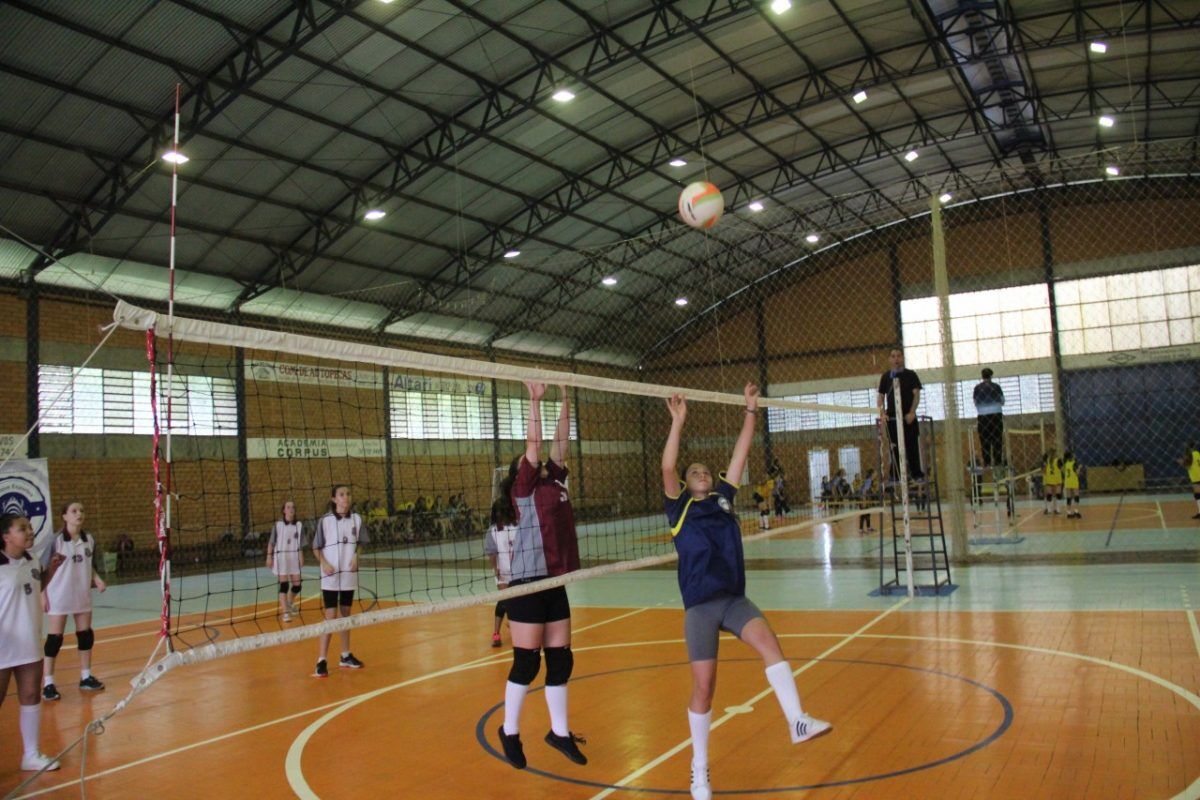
(313, 447)
(284, 372)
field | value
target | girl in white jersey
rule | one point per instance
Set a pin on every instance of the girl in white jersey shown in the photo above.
(21, 632)
(285, 558)
(498, 546)
(69, 592)
(335, 544)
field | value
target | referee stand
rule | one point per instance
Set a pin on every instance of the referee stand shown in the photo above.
(918, 534)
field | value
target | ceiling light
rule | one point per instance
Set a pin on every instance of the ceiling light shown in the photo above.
(609, 280)
(911, 155)
(512, 253)
(677, 162)
(374, 214)
(1106, 121)
(780, 6)
(860, 96)
(563, 96)
(755, 206)
(174, 157)
(945, 197)
(1113, 170)
(681, 301)
(812, 238)
(1100, 48)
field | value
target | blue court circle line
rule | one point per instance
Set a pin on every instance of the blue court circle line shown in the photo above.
(482, 725)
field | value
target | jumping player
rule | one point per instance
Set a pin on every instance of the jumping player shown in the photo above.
(712, 580)
(545, 546)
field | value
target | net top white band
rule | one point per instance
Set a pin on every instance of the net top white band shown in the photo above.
(133, 317)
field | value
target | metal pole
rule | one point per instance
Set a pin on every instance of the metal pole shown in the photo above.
(902, 482)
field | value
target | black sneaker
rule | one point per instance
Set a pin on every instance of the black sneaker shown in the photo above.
(322, 670)
(567, 745)
(350, 662)
(50, 692)
(90, 684)
(513, 750)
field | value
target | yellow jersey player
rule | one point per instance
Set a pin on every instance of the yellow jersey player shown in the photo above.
(1191, 462)
(1070, 470)
(1052, 479)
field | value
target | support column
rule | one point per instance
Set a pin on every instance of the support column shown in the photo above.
(239, 387)
(32, 359)
(953, 473)
(1060, 400)
(389, 480)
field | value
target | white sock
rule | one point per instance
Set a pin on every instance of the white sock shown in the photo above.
(556, 702)
(784, 684)
(345, 653)
(84, 674)
(700, 724)
(46, 681)
(31, 722)
(514, 698)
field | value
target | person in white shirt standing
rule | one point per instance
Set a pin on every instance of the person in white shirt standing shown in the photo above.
(21, 632)
(498, 546)
(285, 558)
(69, 592)
(336, 540)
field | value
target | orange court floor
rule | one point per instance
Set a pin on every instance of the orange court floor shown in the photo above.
(927, 701)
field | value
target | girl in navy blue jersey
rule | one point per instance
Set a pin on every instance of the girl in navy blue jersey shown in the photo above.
(712, 580)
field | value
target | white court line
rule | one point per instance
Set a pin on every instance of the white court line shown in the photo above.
(1161, 519)
(475, 663)
(1191, 615)
(1191, 792)
(642, 770)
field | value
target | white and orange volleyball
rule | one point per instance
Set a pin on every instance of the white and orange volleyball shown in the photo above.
(701, 204)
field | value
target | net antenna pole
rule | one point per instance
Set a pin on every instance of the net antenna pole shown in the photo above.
(902, 482)
(163, 502)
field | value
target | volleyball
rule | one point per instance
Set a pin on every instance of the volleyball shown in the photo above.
(701, 204)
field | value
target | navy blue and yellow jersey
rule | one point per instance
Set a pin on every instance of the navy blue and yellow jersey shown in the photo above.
(708, 539)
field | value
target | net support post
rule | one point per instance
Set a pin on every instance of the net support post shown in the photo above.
(952, 436)
(902, 482)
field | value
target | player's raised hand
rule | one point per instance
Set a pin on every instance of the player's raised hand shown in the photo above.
(536, 390)
(751, 395)
(677, 405)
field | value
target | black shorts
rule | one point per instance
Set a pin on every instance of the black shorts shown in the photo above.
(549, 605)
(332, 598)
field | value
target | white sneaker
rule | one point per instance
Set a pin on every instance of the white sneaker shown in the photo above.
(36, 762)
(700, 788)
(287, 617)
(808, 727)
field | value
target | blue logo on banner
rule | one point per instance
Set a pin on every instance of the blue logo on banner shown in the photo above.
(23, 497)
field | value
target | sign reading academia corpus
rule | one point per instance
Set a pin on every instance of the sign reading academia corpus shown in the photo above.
(314, 447)
(284, 372)
(25, 490)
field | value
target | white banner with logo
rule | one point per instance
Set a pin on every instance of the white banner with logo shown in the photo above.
(25, 490)
(313, 447)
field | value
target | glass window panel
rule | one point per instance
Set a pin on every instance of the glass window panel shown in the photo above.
(1149, 283)
(1070, 318)
(1193, 273)
(1095, 315)
(1093, 290)
(1097, 340)
(962, 329)
(1177, 306)
(991, 350)
(1181, 331)
(1066, 293)
(1123, 312)
(966, 352)
(1121, 287)
(1126, 337)
(1175, 280)
(1152, 309)
(1155, 334)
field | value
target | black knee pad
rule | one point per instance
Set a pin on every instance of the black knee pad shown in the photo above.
(296, 587)
(54, 642)
(85, 638)
(1196, 495)
(283, 587)
(559, 663)
(526, 664)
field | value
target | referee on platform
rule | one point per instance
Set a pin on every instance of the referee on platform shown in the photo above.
(989, 408)
(910, 398)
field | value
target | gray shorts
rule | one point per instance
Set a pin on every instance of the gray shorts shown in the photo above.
(702, 624)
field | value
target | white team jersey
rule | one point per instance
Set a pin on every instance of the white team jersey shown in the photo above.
(287, 538)
(338, 538)
(20, 611)
(70, 589)
(499, 542)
